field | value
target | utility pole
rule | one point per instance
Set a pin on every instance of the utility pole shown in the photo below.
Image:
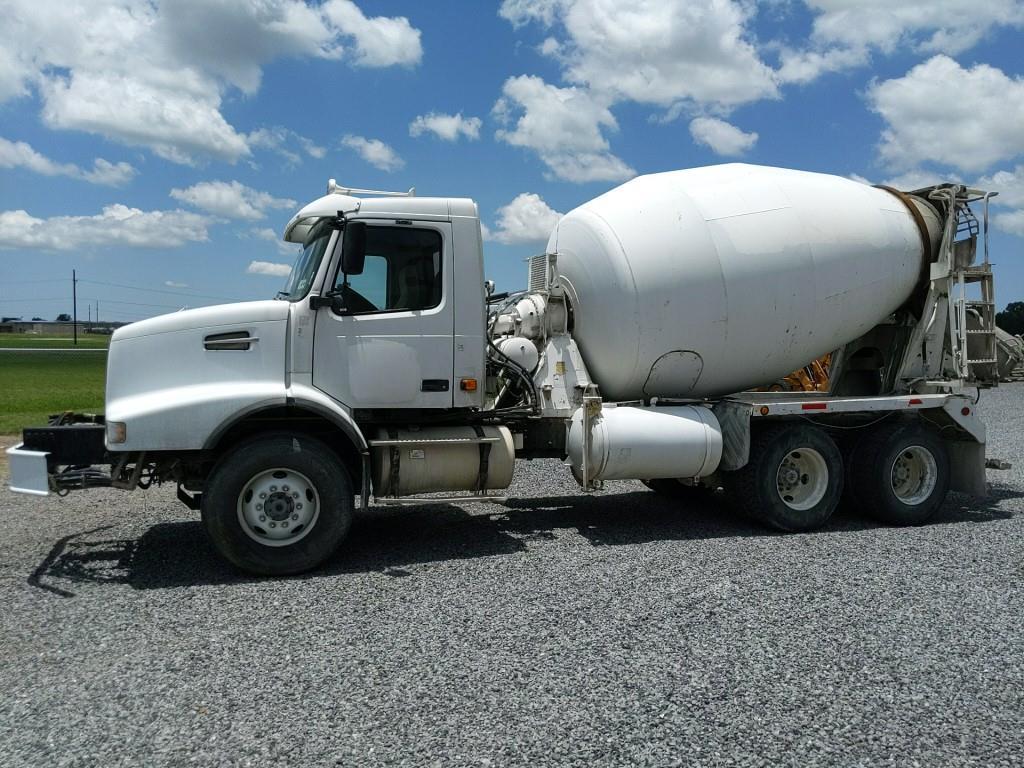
(74, 303)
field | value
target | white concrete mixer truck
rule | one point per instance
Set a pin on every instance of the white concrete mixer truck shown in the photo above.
(657, 340)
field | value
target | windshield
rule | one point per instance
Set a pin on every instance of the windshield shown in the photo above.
(304, 269)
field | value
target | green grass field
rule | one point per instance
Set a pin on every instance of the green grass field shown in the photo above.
(35, 384)
(23, 340)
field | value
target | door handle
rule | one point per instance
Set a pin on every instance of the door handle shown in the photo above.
(434, 385)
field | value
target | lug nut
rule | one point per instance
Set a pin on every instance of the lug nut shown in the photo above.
(273, 525)
(263, 494)
(298, 506)
(295, 517)
(259, 506)
(284, 488)
(295, 494)
(284, 524)
(273, 488)
(263, 518)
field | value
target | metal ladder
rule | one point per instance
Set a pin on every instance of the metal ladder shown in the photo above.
(976, 346)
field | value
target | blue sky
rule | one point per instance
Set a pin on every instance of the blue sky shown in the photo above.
(163, 146)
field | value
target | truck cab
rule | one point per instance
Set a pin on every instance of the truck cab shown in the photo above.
(407, 328)
(404, 333)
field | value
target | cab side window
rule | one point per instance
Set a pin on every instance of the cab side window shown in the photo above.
(402, 271)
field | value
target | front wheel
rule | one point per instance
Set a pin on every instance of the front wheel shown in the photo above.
(278, 504)
(793, 481)
(899, 474)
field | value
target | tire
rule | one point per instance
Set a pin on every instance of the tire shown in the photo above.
(793, 481)
(674, 489)
(899, 474)
(312, 497)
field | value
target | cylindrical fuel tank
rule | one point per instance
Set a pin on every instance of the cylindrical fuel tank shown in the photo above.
(708, 281)
(432, 459)
(629, 443)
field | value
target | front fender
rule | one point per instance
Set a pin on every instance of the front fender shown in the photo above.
(301, 397)
(187, 418)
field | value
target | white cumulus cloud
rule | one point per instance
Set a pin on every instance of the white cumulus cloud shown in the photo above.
(271, 268)
(116, 225)
(375, 152)
(284, 247)
(19, 154)
(931, 26)
(156, 74)
(380, 41)
(1009, 185)
(527, 219)
(845, 33)
(1008, 211)
(564, 126)
(281, 140)
(230, 199)
(805, 66)
(723, 138)
(447, 127)
(967, 118)
(654, 51)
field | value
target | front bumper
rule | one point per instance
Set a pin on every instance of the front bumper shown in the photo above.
(58, 458)
(29, 471)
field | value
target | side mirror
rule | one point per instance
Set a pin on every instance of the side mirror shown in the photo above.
(353, 248)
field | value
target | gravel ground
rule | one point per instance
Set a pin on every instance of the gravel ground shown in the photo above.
(620, 629)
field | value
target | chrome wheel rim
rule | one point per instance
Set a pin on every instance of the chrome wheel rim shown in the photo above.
(802, 478)
(278, 507)
(914, 475)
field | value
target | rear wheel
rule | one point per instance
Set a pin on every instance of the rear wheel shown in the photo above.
(899, 474)
(793, 481)
(278, 504)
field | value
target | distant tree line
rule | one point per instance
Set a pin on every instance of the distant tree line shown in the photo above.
(1011, 319)
(62, 318)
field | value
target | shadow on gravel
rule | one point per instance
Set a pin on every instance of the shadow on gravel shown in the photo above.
(386, 540)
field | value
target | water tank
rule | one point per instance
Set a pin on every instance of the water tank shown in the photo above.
(708, 281)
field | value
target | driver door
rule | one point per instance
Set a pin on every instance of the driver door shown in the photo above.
(393, 345)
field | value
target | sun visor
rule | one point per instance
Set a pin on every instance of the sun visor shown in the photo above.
(328, 205)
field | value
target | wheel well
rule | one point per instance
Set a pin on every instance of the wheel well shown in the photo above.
(293, 420)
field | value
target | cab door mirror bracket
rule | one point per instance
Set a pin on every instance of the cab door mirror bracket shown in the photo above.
(333, 299)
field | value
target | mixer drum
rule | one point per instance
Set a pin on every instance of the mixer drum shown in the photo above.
(708, 281)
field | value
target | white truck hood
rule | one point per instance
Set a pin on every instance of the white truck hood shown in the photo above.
(173, 389)
(205, 317)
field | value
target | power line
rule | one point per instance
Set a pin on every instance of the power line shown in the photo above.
(125, 315)
(137, 303)
(48, 298)
(157, 290)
